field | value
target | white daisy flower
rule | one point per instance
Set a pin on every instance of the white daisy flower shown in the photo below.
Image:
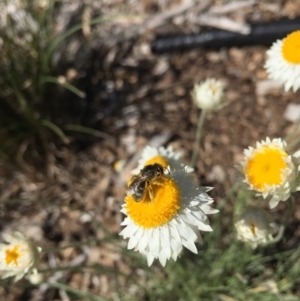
(254, 226)
(271, 171)
(163, 156)
(283, 61)
(167, 219)
(209, 95)
(19, 256)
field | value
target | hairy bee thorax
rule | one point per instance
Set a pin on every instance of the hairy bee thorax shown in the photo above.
(141, 185)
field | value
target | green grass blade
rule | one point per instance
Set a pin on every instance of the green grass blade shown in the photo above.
(56, 130)
(70, 87)
(86, 130)
(76, 292)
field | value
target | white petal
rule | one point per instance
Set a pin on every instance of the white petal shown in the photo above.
(139, 234)
(162, 258)
(154, 244)
(209, 210)
(175, 233)
(176, 247)
(186, 232)
(126, 222)
(204, 227)
(8, 238)
(200, 215)
(144, 241)
(165, 242)
(190, 245)
(128, 231)
(150, 259)
(123, 210)
(273, 202)
(132, 242)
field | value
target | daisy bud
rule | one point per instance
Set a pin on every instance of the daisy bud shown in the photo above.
(208, 95)
(283, 61)
(19, 256)
(35, 278)
(254, 226)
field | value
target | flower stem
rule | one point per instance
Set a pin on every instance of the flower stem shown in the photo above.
(278, 237)
(287, 217)
(198, 138)
(81, 268)
(293, 138)
(293, 144)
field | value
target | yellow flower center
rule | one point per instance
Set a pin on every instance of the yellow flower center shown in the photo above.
(12, 255)
(158, 159)
(291, 47)
(265, 167)
(161, 201)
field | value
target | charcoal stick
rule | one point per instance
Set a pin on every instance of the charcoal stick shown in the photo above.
(261, 34)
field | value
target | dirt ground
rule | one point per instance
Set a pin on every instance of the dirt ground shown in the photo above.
(138, 98)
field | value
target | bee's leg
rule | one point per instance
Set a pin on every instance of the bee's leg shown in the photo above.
(150, 191)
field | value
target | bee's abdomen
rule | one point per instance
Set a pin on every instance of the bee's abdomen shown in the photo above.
(139, 191)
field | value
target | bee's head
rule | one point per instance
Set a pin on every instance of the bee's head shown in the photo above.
(158, 169)
(152, 170)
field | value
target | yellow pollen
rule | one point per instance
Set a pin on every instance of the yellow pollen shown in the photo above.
(265, 167)
(291, 47)
(158, 159)
(12, 255)
(165, 203)
(253, 230)
(213, 89)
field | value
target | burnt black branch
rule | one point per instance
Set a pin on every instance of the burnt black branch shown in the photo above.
(261, 34)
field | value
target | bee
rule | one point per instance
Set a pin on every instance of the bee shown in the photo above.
(142, 182)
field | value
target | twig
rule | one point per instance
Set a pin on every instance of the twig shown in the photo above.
(223, 23)
(157, 20)
(231, 6)
(160, 19)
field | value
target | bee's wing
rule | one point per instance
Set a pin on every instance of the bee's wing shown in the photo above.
(130, 191)
(132, 180)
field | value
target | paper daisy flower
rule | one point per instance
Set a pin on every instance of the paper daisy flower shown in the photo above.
(19, 256)
(271, 171)
(208, 95)
(254, 226)
(168, 218)
(163, 156)
(283, 61)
